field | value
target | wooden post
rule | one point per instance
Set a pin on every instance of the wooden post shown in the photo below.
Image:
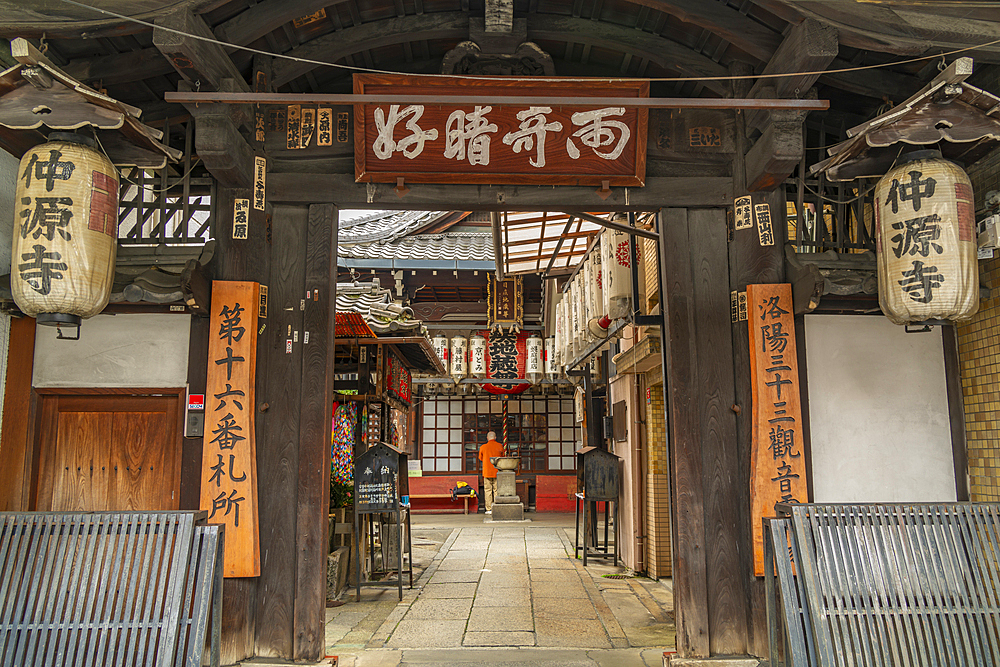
(243, 259)
(680, 382)
(314, 433)
(278, 453)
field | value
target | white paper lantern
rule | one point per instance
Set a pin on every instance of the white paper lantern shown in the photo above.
(533, 368)
(617, 273)
(598, 322)
(65, 231)
(551, 369)
(477, 356)
(926, 242)
(440, 344)
(459, 364)
(560, 329)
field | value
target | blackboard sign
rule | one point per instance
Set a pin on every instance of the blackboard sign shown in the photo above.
(376, 479)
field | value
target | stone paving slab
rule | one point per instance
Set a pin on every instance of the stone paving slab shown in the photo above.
(558, 589)
(501, 619)
(504, 597)
(464, 590)
(563, 563)
(543, 575)
(556, 608)
(461, 565)
(455, 577)
(499, 639)
(445, 609)
(572, 632)
(503, 578)
(427, 634)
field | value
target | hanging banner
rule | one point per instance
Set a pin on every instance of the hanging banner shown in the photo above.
(498, 142)
(229, 458)
(506, 359)
(504, 303)
(778, 468)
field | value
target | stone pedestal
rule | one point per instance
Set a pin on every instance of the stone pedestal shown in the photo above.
(507, 506)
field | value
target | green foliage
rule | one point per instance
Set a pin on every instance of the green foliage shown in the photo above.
(341, 495)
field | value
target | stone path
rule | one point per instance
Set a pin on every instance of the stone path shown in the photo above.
(511, 586)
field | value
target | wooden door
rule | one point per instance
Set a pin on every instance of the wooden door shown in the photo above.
(109, 452)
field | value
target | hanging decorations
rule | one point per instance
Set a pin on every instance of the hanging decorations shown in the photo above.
(551, 369)
(65, 231)
(505, 304)
(506, 360)
(477, 356)
(926, 243)
(459, 367)
(440, 344)
(345, 421)
(533, 368)
(617, 273)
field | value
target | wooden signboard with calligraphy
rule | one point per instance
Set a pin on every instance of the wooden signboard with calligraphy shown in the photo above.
(229, 458)
(777, 463)
(497, 143)
(505, 303)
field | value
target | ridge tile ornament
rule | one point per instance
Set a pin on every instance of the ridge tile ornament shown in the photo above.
(926, 243)
(479, 143)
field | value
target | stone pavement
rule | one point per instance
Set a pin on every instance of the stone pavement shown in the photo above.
(504, 594)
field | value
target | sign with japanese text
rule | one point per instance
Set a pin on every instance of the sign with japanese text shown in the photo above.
(259, 174)
(241, 218)
(398, 379)
(777, 464)
(482, 143)
(229, 456)
(505, 303)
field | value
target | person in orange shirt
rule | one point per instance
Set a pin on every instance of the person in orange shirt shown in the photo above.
(490, 449)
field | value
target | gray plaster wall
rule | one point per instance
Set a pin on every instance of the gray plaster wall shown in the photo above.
(133, 350)
(878, 412)
(8, 181)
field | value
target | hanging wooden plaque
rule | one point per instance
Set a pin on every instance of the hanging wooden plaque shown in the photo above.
(229, 455)
(497, 142)
(505, 303)
(777, 464)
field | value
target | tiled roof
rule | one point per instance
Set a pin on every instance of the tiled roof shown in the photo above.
(449, 246)
(375, 304)
(382, 225)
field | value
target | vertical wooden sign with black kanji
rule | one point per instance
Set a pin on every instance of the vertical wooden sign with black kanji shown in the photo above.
(229, 459)
(777, 464)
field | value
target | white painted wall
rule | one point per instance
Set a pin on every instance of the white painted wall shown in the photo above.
(878, 412)
(133, 350)
(622, 389)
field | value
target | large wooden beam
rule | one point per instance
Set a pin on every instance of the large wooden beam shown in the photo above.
(804, 53)
(341, 189)
(776, 153)
(219, 144)
(205, 64)
(455, 26)
(333, 46)
(728, 23)
(264, 17)
(120, 67)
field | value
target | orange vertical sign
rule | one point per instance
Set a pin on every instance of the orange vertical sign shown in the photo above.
(229, 459)
(778, 467)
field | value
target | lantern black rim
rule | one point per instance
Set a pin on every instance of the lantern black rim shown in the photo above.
(73, 138)
(58, 319)
(923, 154)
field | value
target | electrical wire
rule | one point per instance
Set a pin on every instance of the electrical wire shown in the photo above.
(321, 63)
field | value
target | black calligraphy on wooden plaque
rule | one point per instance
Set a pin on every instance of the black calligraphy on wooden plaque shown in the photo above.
(505, 303)
(513, 143)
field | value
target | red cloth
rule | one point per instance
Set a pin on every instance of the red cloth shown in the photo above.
(490, 449)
